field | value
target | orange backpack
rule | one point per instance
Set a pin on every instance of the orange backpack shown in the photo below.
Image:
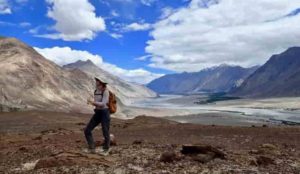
(112, 103)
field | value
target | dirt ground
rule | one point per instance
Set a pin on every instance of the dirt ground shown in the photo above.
(49, 142)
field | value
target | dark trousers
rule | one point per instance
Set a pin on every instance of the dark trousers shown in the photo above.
(101, 116)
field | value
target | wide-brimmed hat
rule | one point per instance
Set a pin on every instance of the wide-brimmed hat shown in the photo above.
(97, 79)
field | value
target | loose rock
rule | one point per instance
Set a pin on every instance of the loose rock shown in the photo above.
(168, 157)
(204, 158)
(264, 160)
(202, 149)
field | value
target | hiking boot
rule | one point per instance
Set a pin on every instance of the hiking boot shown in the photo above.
(105, 152)
(88, 150)
(99, 150)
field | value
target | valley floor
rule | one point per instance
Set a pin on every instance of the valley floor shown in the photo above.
(48, 142)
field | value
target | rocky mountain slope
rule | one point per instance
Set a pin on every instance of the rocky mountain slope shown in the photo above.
(218, 79)
(125, 91)
(278, 77)
(29, 81)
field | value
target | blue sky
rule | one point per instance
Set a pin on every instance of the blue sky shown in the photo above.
(28, 19)
(172, 35)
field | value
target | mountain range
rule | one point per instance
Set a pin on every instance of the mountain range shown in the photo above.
(124, 90)
(30, 81)
(216, 79)
(278, 77)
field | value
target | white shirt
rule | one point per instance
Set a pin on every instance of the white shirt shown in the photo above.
(101, 99)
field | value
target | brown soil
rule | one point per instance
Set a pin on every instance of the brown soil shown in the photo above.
(48, 142)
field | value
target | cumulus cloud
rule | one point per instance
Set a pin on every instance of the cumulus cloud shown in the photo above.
(4, 7)
(139, 75)
(137, 27)
(75, 20)
(66, 55)
(166, 12)
(212, 32)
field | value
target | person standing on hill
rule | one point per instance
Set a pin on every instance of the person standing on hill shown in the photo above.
(101, 115)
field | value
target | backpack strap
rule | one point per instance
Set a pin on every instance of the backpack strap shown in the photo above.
(96, 93)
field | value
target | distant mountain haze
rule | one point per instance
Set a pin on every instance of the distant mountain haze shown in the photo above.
(278, 77)
(217, 79)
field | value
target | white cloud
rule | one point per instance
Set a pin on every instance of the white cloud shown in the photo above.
(121, 27)
(9, 24)
(137, 27)
(75, 20)
(35, 30)
(4, 23)
(140, 75)
(66, 55)
(148, 2)
(104, 2)
(211, 32)
(114, 13)
(166, 12)
(4, 7)
(143, 58)
(25, 24)
(116, 35)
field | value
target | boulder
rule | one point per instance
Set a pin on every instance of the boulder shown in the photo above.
(24, 149)
(168, 157)
(264, 160)
(202, 149)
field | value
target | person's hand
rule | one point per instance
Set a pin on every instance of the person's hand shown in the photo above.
(90, 102)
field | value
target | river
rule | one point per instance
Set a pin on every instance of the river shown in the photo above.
(234, 109)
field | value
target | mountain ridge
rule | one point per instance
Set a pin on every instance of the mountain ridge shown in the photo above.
(124, 90)
(30, 81)
(278, 77)
(215, 79)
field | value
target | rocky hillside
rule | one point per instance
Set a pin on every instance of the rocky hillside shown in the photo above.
(217, 79)
(29, 81)
(144, 145)
(278, 77)
(125, 91)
